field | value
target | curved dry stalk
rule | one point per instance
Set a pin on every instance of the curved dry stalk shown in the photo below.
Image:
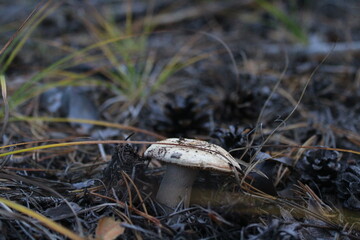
(94, 122)
(12, 176)
(42, 219)
(288, 116)
(136, 189)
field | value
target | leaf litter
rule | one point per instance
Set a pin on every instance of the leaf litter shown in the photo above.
(305, 178)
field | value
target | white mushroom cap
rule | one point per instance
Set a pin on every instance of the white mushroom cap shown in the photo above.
(192, 153)
(184, 158)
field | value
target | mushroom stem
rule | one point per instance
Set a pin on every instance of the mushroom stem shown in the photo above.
(176, 185)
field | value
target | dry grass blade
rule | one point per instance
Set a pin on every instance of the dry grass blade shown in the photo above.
(315, 147)
(127, 219)
(6, 104)
(94, 122)
(301, 151)
(352, 136)
(35, 18)
(25, 180)
(7, 44)
(316, 204)
(44, 220)
(125, 175)
(123, 205)
(290, 114)
(258, 121)
(66, 144)
(195, 11)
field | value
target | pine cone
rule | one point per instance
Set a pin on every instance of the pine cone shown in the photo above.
(241, 104)
(232, 138)
(348, 187)
(319, 169)
(183, 117)
(246, 102)
(235, 137)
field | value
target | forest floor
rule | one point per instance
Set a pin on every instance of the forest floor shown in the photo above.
(87, 86)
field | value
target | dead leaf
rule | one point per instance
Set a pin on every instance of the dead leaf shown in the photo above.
(108, 229)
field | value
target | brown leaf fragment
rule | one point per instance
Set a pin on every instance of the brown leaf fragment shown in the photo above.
(108, 229)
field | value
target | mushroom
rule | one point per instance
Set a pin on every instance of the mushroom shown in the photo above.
(184, 158)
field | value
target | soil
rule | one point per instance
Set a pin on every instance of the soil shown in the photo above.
(275, 83)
